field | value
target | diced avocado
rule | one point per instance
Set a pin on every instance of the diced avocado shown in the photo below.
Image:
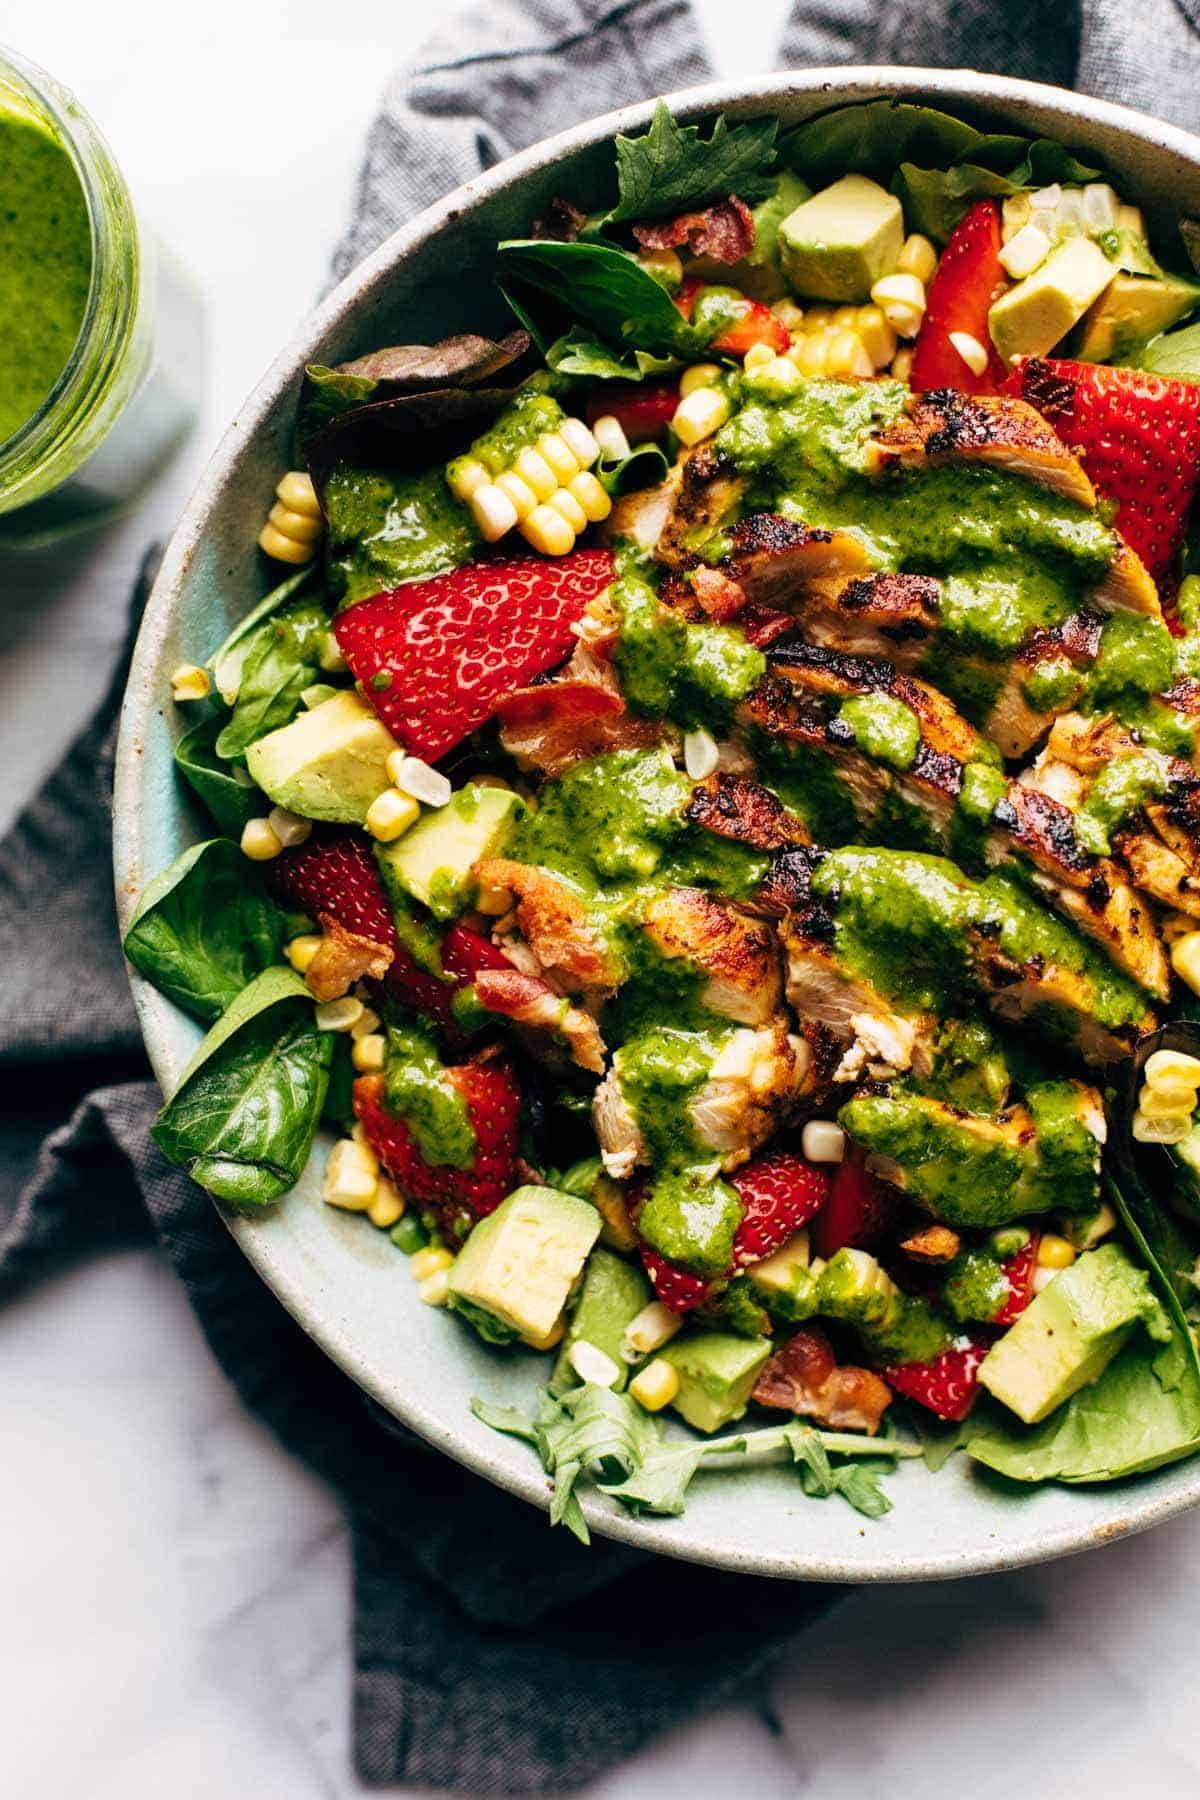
(1132, 310)
(1070, 1333)
(433, 861)
(784, 1282)
(521, 1262)
(1037, 313)
(895, 1327)
(837, 245)
(329, 763)
(717, 1372)
(769, 215)
(613, 1293)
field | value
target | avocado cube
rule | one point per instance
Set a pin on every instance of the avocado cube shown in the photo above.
(838, 244)
(1132, 310)
(521, 1262)
(784, 1283)
(717, 1372)
(612, 1294)
(330, 763)
(1070, 1333)
(1037, 313)
(433, 861)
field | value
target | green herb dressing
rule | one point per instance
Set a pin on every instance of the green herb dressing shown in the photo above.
(417, 1091)
(386, 528)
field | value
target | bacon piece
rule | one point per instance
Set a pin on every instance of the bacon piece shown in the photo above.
(344, 958)
(804, 1377)
(548, 1022)
(724, 232)
(556, 723)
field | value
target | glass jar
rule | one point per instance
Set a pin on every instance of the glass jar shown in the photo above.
(128, 391)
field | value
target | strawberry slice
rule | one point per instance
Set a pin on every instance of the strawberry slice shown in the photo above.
(1138, 437)
(435, 658)
(457, 1197)
(947, 1385)
(1018, 1271)
(858, 1211)
(677, 1288)
(779, 1193)
(753, 323)
(642, 409)
(969, 277)
(465, 952)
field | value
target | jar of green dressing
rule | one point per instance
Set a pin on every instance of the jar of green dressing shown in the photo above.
(99, 329)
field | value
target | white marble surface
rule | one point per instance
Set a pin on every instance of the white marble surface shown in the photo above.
(176, 1611)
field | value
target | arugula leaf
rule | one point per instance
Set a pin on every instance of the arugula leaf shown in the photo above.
(230, 801)
(324, 396)
(581, 353)
(282, 658)
(204, 927)
(672, 168)
(245, 1113)
(228, 663)
(604, 287)
(661, 1484)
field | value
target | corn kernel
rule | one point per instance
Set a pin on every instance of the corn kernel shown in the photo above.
(367, 1022)
(1047, 199)
(190, 682)
(298, 494)
(368, 1053)
(548, 531)
(591, 494)
(259, 842)
(1025, 251)
(428, 1262)
(563, 501)
(819, 317)
(1017, 214)
(811, 353)
(971, 350)
(790, 316)
(700, 754)
(558, 454)
(419, 780)
(779, 376)
(338, 1015)
(289, 827)
(519, 492)
(579, 441)
(876, 336)
(301, 526)
(902, 364)
(846, 355)
(1172, 1065)
(1055, 1252)
(758, 356)
(494, 511)
(465, 475)
(493, 902)
(844, 316)
(901, 299)
(703, 411)
(1160, 1131)
(534, 469)
(653, 1327)
(610, 435)
(279, 548)
(664, 263)
(351, 1176)
(1167, 1101)
(592, 1364)
(700, 375)
(1185, 959)
(823, 1142)
(917, 257)
(435, 1290)
(330, 655)
(387, 1206)
(301, 951)
(390, 814)
(656, 1385)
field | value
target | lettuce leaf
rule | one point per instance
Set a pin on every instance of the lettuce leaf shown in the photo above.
(673, 168)
(603, 288)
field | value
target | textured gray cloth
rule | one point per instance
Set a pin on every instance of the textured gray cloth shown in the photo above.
(491, 1656)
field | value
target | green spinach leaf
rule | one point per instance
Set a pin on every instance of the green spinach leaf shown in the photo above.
(282, 658)
(232, 802)
(228, 663)
(673, 168)
(205, 926)
(581, 353)
(243, 1117)
(606, 288)
(934, 200)
(324, 396)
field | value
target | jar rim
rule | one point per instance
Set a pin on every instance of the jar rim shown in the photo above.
(111, 304)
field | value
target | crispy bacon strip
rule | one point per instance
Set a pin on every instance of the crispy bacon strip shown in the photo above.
(724, 232)
(548, 1021)
(803, 1377)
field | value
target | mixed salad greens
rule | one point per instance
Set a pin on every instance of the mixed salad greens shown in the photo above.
(712, 817)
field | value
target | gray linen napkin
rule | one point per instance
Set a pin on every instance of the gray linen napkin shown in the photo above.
(490, 1655)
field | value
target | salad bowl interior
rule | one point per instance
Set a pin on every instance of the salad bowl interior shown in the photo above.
(347, 1286)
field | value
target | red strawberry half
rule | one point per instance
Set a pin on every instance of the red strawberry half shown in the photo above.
(435, 658)
(947, 1385)
(466, 951)
(967, 280)
(642, 409)
(779, 1193)
(1138, 437)
(1018, 1271)
(675, 1287)
(752, 324)
(858, 1211)
(457, 1197)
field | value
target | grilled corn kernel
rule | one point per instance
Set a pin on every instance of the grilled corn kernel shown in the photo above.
(700, 754)
(700, 375)
(494, 511)
(368, 1053)
(519, 492)
(844, 317)
(435, 1290)
(301, 526)
(664, 264)
(902, 364)
(811, 353)
(579, 441)
(259, 842)
(819, 317)
(917, 257)
(653, 1327)
(1167, 1100)
(1160, 1131)
(427, 1262)
(390, 814)
(610, 435)
(1185, 959)
(901, 298)
(298, 494)
(790, 316)
(1025, 251)
(554, 449)
(823, 1142)
(1055, 1252)
(1172, 1065)
(351, 1176)
(656, 1385)
(330, 656)
(758, 356)
(465, 475)
(534, 469)
(367, 1022)
(703, 411)
(338, 1015)
(420, 780)
(847, 355)
(387, 1206)
(876, 336)
(778, 377)
(548, 531)
(288, 827)
(1017, 212)
(591, 494)
(563, 501)
(971, 350)
(592, 1364)
(273, 543)
(301, 951)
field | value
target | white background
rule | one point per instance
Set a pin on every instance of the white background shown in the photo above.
(174, 1592)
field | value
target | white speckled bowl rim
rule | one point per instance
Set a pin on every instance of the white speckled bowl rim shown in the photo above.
(346, 1284)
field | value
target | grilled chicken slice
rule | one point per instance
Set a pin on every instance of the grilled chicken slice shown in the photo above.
(778, 563)
(1034, 989)
(732, 806)
(738, 955)
(554, 922)
(1128, 586)
(642, 516)
(705, 497)
(889, 616)
(550, 1027)
(804, 1377)
(998, 432)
